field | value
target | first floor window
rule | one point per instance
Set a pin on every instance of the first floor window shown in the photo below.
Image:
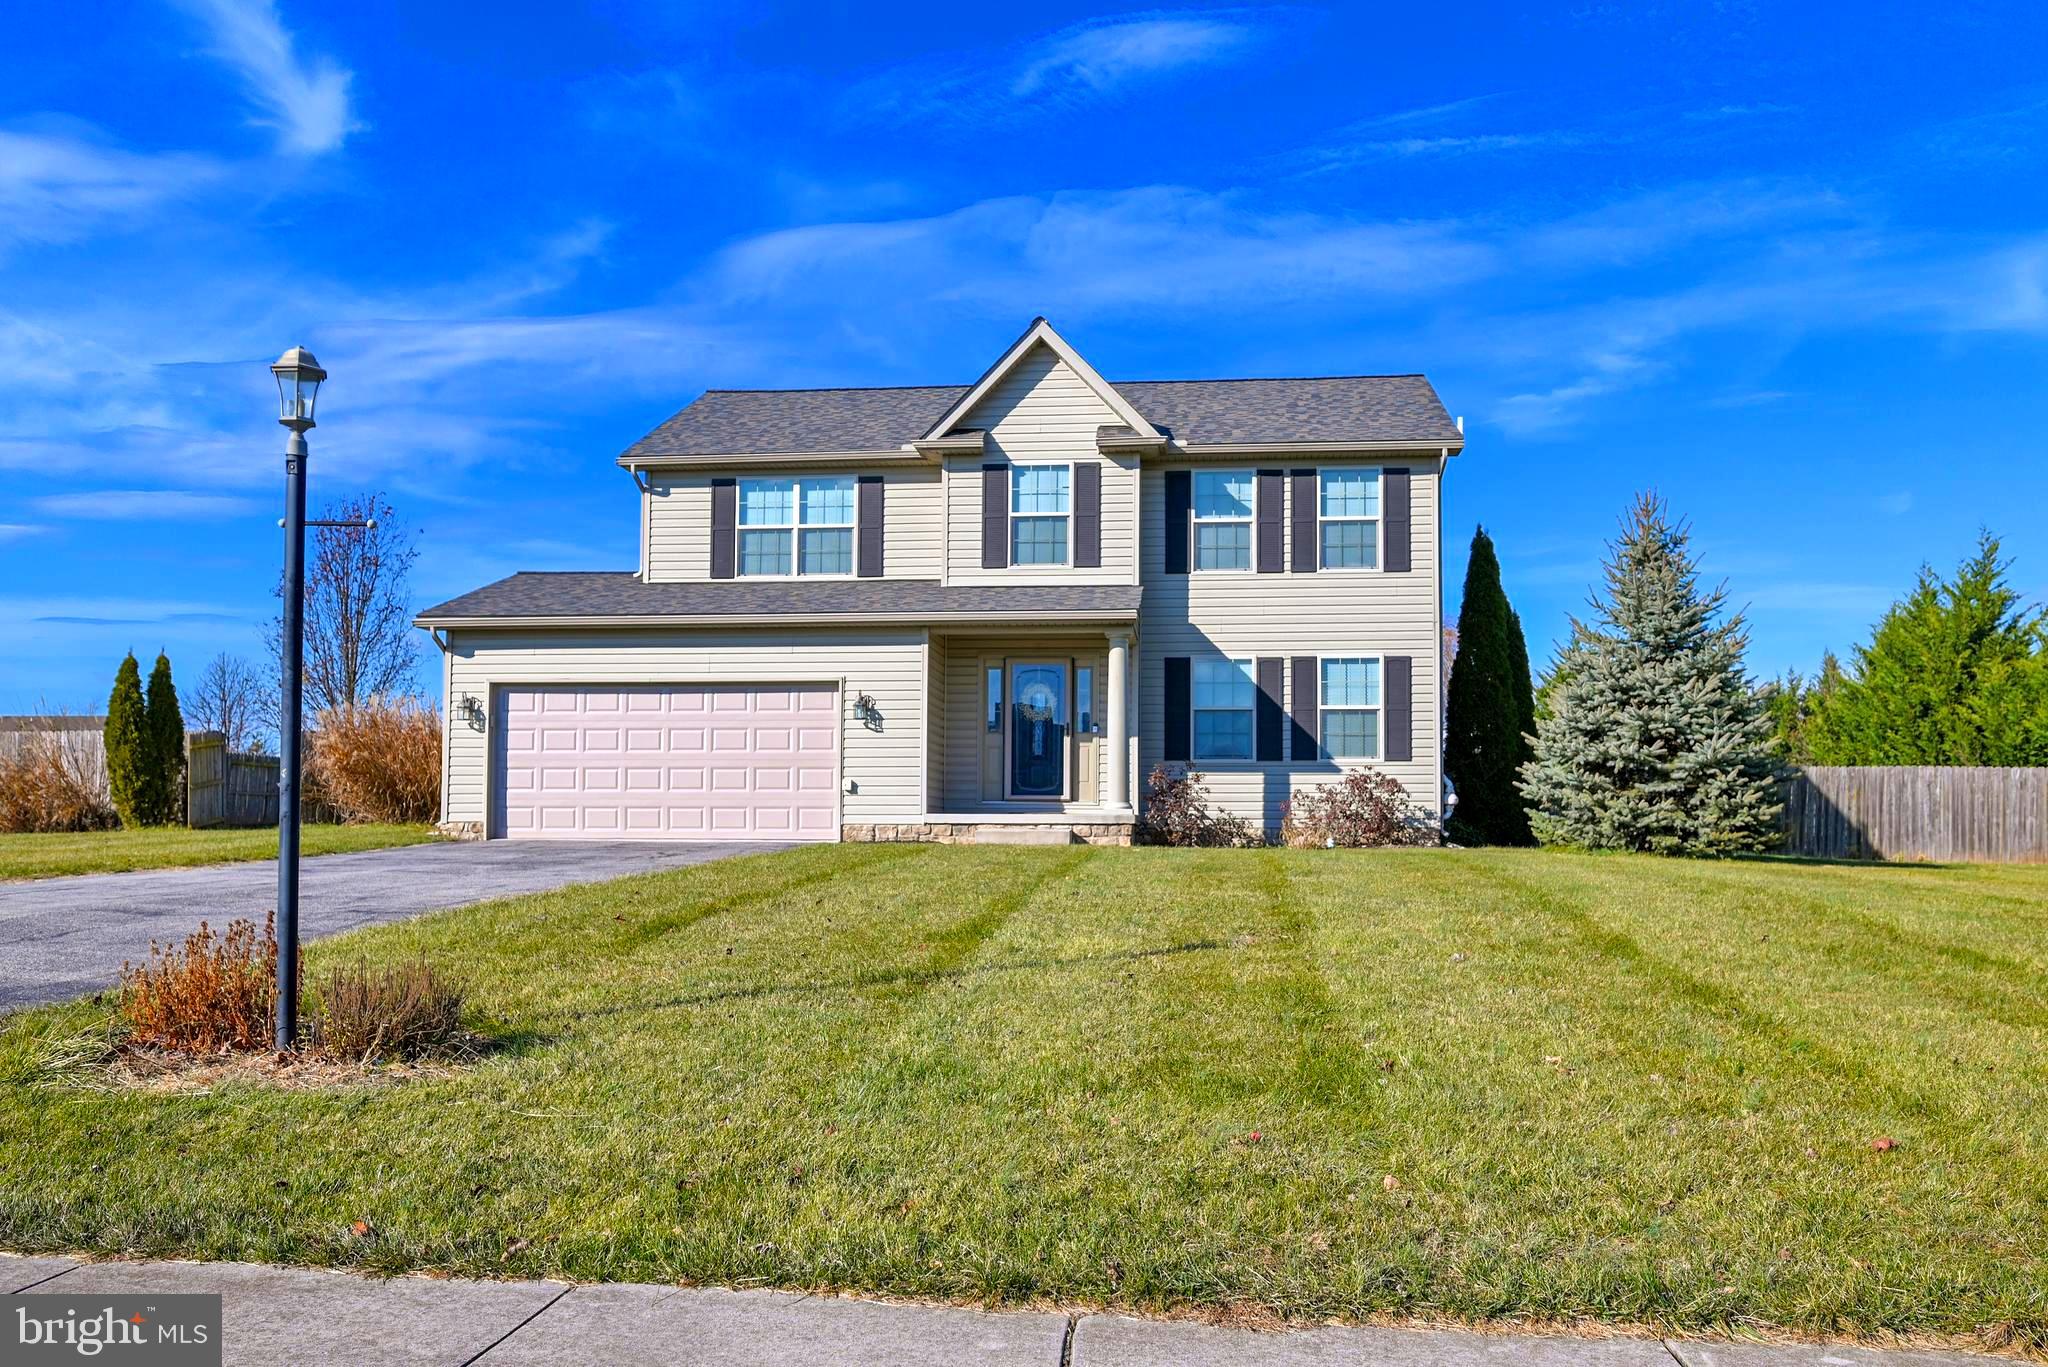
(1224, 692)
(1084, 699)
(796, 526)
(1350, 708)
(1040, 501)
(1348, 519)
(995, 697)
(1223, 519)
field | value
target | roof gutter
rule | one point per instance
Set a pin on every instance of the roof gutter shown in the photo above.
(1253, 448)
(727, 619)
(894, 455)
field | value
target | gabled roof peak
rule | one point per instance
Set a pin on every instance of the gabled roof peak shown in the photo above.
(1042, 333)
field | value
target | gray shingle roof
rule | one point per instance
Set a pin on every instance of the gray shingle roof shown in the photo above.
(622, 594)
(1337, 408)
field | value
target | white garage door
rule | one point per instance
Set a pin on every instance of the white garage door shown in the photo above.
(710, 762)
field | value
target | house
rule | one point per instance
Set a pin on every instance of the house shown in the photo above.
(972, 612)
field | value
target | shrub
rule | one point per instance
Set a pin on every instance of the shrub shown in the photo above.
(215, 993)
(48, 784)
(1363, 809)
(404, 1012)
(1177, 813)
(379, 761)
(163, 743)
(128, 745)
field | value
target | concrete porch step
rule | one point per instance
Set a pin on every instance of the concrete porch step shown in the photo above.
(1025, 835)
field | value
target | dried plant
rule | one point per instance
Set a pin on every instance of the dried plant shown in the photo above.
(214, 993)
(407, 1011)
(378, 761)
(1363, 809)
(53, 778)
(1177, 812)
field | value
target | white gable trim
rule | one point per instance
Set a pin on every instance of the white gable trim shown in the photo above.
(1042, 331)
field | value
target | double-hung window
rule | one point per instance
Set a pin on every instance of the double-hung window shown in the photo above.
(1223, 519)
(1040, 503)
(1350, 708)
(796, 526)
(1224, 698)
(1349, 519)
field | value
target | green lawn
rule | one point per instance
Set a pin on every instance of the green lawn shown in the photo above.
(170, 847)
(1612, 1087)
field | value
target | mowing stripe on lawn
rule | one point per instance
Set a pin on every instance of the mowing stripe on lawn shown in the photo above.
(1330, 1066)
(690, 914)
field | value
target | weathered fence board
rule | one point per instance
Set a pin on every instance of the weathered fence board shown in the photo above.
(1941, 813)
(227, 788)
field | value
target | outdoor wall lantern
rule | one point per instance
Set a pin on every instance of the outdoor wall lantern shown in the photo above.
(866, 713)
(472, 712)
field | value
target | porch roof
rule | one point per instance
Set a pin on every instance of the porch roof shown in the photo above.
(622, 598)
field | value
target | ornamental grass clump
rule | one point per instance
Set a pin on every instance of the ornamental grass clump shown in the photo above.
(378, 761)
(213, 994)
(401, 1012)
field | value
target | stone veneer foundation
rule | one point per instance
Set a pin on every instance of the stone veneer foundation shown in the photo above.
(966, 832)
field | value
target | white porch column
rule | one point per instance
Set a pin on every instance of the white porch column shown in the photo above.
(1117, 739)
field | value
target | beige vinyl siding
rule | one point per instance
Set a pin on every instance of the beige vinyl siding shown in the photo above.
(971, 779)
(1330, 612)
(883, 767)
(936, 739)
(679, 522)
(1042, 411)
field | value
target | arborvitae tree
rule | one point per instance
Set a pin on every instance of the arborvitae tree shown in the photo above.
(127, 740)
(166, 728)
(1956, 673)
(1525, 693)
(1489, 705)
(1656, 740)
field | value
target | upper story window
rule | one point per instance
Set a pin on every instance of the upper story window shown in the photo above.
(1350, 708)
(796, 526)
(1348, 519)
(1041, 503)
(1223, 519)
(1224, 697)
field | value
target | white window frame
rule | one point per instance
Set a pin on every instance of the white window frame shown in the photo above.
(1010, 525)
(1376, 521)
(1250, 710)
(796, 527)
(1379, 710)
(1251, 525)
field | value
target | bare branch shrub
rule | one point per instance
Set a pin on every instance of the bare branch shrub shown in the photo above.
(407, 1011)
(1177, 812)
(1363, 809)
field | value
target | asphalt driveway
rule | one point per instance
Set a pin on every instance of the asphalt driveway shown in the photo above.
(64, 937)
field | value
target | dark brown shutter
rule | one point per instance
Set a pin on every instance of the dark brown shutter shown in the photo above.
(869, 520)
(1302, 727)
(1271, 508)
(1395, 521)
(1266, 720)
(1087, 516)
(1397, 678)
(1180, 507)
(1302, 513)
(725, 535)
(1180, 719)
(995, 517)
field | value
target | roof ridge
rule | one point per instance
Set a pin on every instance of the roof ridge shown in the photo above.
(1192, 379)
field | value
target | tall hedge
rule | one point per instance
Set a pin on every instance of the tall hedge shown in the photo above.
(1491, 710)
(127, 739)
(165, 725)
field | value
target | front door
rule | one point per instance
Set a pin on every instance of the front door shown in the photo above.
(1038, 729)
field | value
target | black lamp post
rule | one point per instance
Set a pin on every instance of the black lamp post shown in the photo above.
(298, 386)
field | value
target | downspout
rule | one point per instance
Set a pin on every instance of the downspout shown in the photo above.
(646, 487)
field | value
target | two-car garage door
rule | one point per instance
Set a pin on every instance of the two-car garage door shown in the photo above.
(669, 762)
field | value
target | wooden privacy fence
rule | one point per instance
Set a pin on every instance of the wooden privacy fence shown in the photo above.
(1928, 812)
(227, 788)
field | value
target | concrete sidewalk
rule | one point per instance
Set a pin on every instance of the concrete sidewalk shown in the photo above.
(274, 1315)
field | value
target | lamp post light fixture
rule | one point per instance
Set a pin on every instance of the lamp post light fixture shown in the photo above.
(298, 387)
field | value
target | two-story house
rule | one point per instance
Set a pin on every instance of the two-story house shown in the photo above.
(977, 611)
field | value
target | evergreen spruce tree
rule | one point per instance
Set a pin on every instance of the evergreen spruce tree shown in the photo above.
(1656, 740)
(165, 725)
(1956, 673)
(1489, 706)
(127, 741)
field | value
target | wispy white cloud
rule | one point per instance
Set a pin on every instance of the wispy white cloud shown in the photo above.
(305, 100)
(60, 186)
(1086, 62)
(17, 531)
(143, 505)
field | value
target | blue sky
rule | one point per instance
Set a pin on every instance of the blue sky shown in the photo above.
(1786, 264)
